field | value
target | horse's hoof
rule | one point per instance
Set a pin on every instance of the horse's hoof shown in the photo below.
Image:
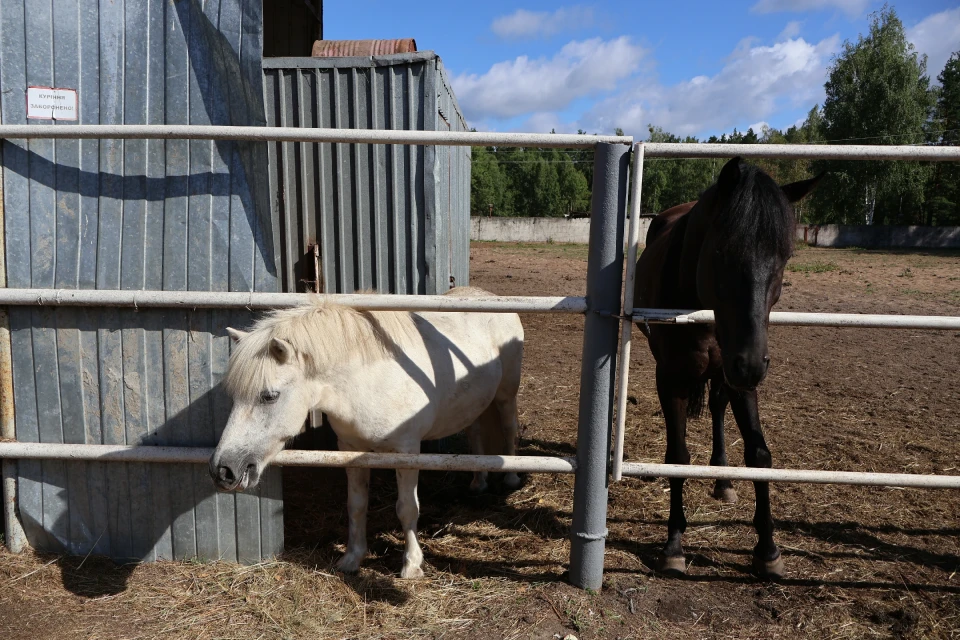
(672, 565)
(769, 569)
(725, 494)
(512, 481)
(411, 573)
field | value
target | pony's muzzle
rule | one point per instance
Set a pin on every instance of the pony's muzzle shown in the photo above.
(233, 477)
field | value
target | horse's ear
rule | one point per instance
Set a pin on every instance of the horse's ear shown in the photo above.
(281, 350)
(730, 174)
(236, 334)
(797, 190)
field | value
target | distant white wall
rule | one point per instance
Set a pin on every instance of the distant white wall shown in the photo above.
(879, 236)
(575, 230)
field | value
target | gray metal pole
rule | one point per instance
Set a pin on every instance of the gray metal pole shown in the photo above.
(600, 331)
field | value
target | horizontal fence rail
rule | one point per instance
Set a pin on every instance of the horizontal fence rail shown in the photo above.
(914, 480)
(298, 134)
(801, 151)
(290, 458)
(452, 462)
(797, 319)
(137, 298)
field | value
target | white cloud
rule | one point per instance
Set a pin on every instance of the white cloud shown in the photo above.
(753, 85)
(527, 24)
(937, 36)
(792, 30)
(758, 127)
(850, 7)
(521, 86)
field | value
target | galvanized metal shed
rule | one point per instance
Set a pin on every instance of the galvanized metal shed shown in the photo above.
(174, 215)
(192, 215)
(386, 217)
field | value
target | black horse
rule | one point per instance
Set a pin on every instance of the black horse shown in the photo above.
(725, 252)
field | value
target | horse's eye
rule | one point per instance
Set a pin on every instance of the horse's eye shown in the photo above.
(269, 397)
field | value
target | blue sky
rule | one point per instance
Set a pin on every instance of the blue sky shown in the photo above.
(693, 67)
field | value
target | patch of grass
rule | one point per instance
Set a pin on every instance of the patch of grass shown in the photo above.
(906, 273)
(812, 267)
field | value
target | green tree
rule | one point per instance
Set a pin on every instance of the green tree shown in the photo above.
(488, 184)
(943, 191)
(877, 93)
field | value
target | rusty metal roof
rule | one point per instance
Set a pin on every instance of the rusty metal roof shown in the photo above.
(343, 48)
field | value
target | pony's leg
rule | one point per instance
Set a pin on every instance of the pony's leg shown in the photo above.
(475, 439)
(510, 426)
(674, 405)
(722, 489)
(766, 556)
(408, 510)
(358, 494)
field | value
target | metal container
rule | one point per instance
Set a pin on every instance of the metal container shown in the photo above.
(135, 214)
(386, 217)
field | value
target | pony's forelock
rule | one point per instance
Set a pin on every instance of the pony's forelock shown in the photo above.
(325, 333)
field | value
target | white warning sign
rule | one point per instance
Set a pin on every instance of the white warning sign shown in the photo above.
(48, 103)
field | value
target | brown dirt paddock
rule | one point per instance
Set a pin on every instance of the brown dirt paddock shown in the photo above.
(862, 562)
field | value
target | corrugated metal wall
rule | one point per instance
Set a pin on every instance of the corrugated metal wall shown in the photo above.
(175, 215)
(388, 217)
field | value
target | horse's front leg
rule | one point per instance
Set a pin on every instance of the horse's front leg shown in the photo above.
(673, 401)
(722, 489)
(766, 556)
(358, 496)
(408, 510)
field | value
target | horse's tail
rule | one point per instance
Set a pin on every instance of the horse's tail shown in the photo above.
(695, 399)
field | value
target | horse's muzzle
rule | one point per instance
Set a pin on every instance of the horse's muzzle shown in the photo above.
(744, 372)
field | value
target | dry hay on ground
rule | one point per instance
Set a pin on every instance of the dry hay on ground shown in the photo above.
(861, 561)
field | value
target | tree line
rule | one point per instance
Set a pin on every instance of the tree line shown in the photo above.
(878, 92)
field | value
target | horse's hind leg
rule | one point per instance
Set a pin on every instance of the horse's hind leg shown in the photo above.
(408, 510)
(358, 494)
(475, 436)
(674, 405)
(510, 428)
(766, 556)
(722, 489)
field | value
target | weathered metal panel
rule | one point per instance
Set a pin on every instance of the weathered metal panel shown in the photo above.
(135, 214)
(386, 217)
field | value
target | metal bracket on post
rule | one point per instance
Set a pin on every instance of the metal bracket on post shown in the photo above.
(600, 333)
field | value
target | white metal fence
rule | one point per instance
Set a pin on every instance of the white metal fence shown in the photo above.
(586, 566)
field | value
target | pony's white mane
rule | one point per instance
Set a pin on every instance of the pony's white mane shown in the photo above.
(324, 332)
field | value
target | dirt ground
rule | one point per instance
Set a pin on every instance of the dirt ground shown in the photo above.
(861, 562)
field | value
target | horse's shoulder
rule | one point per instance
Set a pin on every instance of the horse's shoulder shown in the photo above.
(666, 219)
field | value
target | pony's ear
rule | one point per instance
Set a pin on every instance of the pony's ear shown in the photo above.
(730, 174)
(281, 350)
(236, 334)
(797, 190)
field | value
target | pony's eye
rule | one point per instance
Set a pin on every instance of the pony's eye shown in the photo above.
(269, 397)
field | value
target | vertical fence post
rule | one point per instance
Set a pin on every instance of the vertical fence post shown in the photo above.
(600, 331)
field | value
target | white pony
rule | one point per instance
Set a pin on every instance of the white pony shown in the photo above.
(386, 380)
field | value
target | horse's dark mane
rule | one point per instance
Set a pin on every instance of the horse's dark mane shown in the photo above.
(754, 217)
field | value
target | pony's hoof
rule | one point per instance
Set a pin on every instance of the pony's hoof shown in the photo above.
(672, 565)
(725, 494)
(769, 569)
(649, 478)
(348, 564)
(411, 573)
(512, 481)
(477, 489)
